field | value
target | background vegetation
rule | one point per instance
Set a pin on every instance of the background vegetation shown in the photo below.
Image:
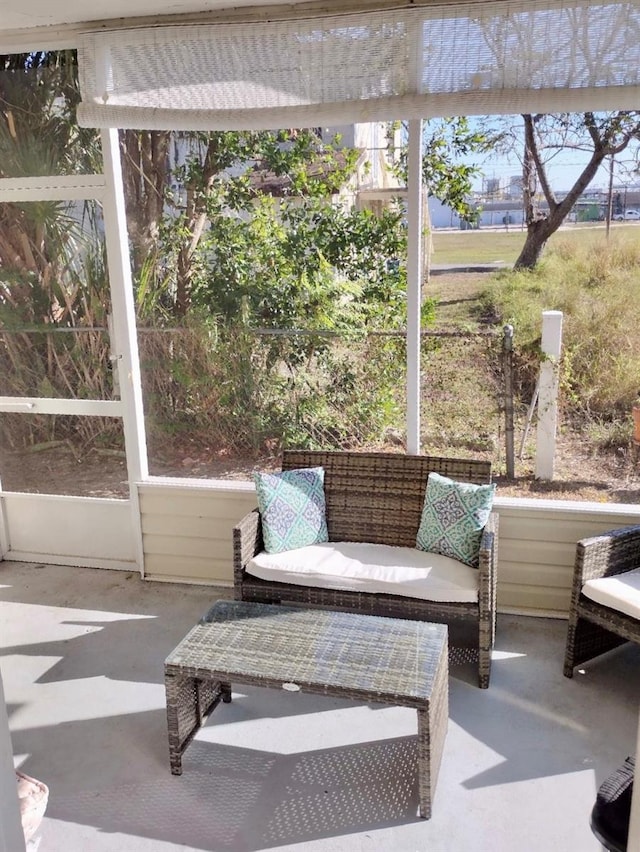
(591, 282)
(270, 312)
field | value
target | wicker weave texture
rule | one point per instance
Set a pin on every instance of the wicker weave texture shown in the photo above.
(189, 701)
(432, 729)
(383, 660)
(593, 628)
(378, 498)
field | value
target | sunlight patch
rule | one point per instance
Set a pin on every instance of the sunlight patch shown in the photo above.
(505, 655)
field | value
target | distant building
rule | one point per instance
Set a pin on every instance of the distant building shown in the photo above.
(492, 186)
(515, 186)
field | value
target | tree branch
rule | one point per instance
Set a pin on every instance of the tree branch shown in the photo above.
(532, 146)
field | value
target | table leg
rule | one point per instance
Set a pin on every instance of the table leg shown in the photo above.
(424, 764)
(433, 720)
(174, 689)
(190, 700)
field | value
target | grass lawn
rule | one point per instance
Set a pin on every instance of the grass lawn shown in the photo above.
(488, 246)
(458, 298)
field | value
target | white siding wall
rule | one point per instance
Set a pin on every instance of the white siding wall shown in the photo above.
(187, 536)
(86, 531)
(187, 529)
(537, 548)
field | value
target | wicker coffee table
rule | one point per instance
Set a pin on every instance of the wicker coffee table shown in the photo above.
(362, 657)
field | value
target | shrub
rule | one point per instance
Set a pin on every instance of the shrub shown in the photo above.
(247, 393)
(595, 287)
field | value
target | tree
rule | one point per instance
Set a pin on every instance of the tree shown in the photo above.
(39, 136)
(52, 270)
(146, 175)
(216, 180)
(444, 172)
(446, 144)
(304, 263)
(600, 135)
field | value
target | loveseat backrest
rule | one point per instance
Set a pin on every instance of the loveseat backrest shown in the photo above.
(378, 497)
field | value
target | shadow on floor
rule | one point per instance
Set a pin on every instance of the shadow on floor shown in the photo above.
(228, 798)
(82, 666)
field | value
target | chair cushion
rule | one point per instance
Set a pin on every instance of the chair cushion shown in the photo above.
(453, 517)
(620, 592)
(364, 567)
(292, 508)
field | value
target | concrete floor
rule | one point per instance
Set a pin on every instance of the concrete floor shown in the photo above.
(82, 664)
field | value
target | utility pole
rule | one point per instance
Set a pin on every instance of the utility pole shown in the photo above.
(610, 197)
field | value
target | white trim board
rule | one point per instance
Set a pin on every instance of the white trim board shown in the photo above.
(51, 405)
(53, 188)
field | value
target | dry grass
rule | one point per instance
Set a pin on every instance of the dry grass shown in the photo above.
(593, 462)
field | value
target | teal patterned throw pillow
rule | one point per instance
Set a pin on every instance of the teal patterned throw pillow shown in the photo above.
(453, 517)
(292, 508)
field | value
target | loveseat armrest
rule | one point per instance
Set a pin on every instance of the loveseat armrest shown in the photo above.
(488, 575)
(613, 552)
(489, 549)
(247, 542)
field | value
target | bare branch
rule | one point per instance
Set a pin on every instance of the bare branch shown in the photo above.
(532, 146)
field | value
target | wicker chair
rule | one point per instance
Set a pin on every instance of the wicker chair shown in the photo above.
(378, 498)
(593, 627)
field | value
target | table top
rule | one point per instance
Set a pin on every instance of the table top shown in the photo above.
(336, 652)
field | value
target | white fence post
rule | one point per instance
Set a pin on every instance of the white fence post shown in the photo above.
(414, 282)
(548, 393)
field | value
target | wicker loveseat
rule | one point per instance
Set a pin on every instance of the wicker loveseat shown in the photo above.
(377, 498)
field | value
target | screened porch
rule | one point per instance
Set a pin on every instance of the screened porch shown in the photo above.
(543, 56)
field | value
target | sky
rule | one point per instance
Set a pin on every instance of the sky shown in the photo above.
(563, 171)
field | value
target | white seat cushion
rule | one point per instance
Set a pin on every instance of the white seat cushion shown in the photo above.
(354, 566)
(621, 592)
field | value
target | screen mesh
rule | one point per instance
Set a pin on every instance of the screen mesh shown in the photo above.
(473, 58)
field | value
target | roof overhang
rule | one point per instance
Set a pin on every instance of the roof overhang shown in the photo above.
(202, 64)
(56, 24)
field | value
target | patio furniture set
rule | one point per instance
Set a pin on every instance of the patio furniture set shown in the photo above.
(373, 608)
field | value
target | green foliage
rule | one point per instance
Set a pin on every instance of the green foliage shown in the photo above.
(38, 132)
(249, 393)
(253, 241)
(153, 296)
(52, 272)
(299, 263)
(593, 286)
(347, 396)
(446, 176)
(289, 261)
(241, 190)
(51, 360)
(42, 243)
(312, 169)
(448, 180)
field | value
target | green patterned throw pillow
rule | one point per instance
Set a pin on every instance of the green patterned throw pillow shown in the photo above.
(453, 517)
(292, 508)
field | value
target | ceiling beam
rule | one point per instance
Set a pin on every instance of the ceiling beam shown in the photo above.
(65, 35)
